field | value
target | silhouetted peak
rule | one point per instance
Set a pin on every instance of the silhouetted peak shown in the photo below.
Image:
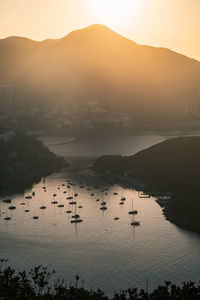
(95, 29)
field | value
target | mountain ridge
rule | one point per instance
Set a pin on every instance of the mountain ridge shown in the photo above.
(97, 63)
(94, 26)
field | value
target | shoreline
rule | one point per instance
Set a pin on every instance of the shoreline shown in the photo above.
(20, 183)
(150, 188)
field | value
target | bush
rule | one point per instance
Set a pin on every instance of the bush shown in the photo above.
(35, 285)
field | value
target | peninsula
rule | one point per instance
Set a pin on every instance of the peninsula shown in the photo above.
(172, 166)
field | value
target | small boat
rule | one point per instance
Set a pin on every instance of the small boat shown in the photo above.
(35, 217)
(33, 193)
(12, 207)
(103, 203)
(43, 207)
(123, 199)
(75, 216)
(92, 194)
(23, 203)
(121, 203)
(68, 186)
(54, 202)
(97, 200)
(26, 210)
(103, 208)
(76, 221)
(28, 197)
(44, 187)
(72, 202)
(7, 200)
(69, 198)
(80, 206)
(116, 218)
(76, 195)
(68, 212)
(60, 205)
(115, 193)
(144, 195)
(133, 212)
(7, 218)
(63, 184)
(135, 223)
(54, 195)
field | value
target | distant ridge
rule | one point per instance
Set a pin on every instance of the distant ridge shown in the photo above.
(97, 63)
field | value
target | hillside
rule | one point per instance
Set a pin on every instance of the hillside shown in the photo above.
(173, 166)
(24, 161)
(97, 63)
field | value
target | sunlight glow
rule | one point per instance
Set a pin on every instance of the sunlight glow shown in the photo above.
(113, 12)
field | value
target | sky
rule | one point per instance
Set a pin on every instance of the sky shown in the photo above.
(174, 24)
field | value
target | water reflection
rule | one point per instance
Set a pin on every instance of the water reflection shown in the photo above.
(105, 250)
(102, 249)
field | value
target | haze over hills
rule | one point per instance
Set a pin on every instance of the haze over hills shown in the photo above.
(96, 63)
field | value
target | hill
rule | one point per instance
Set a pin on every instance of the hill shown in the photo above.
(171, 166)
(95, 63)
(24, 161)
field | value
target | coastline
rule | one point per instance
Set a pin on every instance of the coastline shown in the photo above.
(18, 184)
(154, 191)
(24, 161)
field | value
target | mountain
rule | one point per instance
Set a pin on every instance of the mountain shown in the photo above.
(95, 63)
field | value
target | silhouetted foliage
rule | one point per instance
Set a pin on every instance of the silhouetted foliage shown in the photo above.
(35, 285)
(24, 160)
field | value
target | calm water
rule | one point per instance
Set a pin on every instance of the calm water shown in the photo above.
(107, 254)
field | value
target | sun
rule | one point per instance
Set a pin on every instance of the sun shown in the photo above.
(113, 12)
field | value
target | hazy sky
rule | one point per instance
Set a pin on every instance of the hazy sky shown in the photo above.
(174, 24)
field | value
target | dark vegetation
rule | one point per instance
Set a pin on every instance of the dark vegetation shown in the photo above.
(171, 166)
(23, 161)
(35, 285)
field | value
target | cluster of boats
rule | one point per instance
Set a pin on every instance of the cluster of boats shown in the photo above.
(72, 201)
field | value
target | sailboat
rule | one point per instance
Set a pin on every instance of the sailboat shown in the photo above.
(135, 223)
(103, 208)
(76, 218)
(76, 221)
(103, 204)
(133, 212)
